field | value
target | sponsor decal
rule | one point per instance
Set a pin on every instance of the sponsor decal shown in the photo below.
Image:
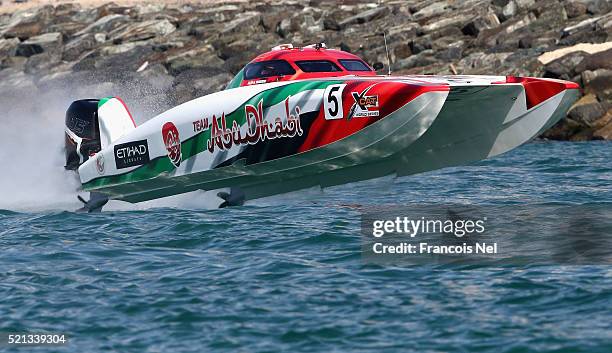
(100, 163)
(364, 106)
(332, 102)
(77, 125)
(172, 141)
(200, 125)
(131, 154)
(258, 129)
(256, 82)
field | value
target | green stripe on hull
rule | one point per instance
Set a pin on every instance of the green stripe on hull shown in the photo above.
(197, 144)
(104, 100)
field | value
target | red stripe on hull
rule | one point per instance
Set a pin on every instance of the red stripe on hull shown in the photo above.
(390, 97)
(537, 90)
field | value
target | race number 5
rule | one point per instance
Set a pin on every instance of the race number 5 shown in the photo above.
(332, 102)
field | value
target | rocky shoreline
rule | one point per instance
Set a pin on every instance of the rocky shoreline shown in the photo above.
(157, 56)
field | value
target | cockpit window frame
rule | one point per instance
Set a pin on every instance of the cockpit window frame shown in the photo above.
(287, 69)
(300, 64)
(343, 61)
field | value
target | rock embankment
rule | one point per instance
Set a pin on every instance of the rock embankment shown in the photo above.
(161, 55)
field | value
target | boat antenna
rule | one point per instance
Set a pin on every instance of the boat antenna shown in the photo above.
(387, 50)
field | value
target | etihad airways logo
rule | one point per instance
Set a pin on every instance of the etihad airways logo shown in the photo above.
(131, 154)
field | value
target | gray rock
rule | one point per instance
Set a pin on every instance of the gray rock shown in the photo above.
(48, 43)
(475, 26)
(431, 10)
(80, 45)
(40, 62)
(599, 6)
(423, 58)
(13, 62)
(284, 28)
(458, 20)
(564, 130)
(513, 26)
(247, 21)
(575, 9)
(111, 50)
(452, 51)
(598, 82)
(365, 16)
(142, 31)
(127, 57)
(157, 76)
(270, 18)
(28, 23)
(565, 67)
(200, 58)
(105, 24)
(525, 42)
(600, 60)
(206, 85)
(604, 132)
(510, 10)
(403, 32)
(525, 4)
(586, 25)
(331, 23)
(8, 47)
(100, 37)
(587, 110)
(478, 61)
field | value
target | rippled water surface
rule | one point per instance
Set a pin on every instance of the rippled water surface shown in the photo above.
(285, 274)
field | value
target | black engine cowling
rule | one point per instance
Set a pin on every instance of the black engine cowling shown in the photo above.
(82, 132)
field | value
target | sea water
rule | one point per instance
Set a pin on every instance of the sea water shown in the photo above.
(287, 274)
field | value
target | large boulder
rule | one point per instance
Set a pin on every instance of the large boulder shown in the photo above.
(588, 48)
(565, 66)
(592, 30)
(28, 23)
(198, 58)
(599, 6)
(115, 58)
(458, 20)
(587, 110)
(246, 22)
(50, 43)
(423, 58)
(599, 60)
(575, 8)
(563, 130)
(566, 63)
(598, 82)
(105, 24)
(80, 45)
(604, 132)
(142, 31)
(431, 10)
(209, 84)
(8, 47)
(365, 16)
(484, 21)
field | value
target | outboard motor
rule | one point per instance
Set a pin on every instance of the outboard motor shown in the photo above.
(82, 132)
(91, 126)
(94, 124)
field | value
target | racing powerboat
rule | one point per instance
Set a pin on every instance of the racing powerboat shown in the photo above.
(298, 117)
